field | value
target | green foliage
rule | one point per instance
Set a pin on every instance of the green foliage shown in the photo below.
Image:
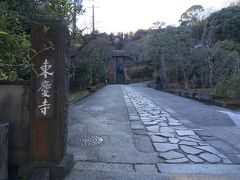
(13, 52)
(14, 42)
(175, 45)
(188, 60)
(230, 55)
(228, 48)
(82, 77)
(60, 9)
(221, 25)
(88, 73)
(90, 63)
(193, 15)
(197, 31)
(15, 19)
(228, 87)
(137, 72)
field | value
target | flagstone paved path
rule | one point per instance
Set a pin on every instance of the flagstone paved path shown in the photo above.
(134, 132)
(174, 142)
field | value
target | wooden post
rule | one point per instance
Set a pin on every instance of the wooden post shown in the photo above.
(3, 151)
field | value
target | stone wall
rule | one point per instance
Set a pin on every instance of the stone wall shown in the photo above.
(14, 108)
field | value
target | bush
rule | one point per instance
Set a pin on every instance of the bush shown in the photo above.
(82, 77)
(14, 43)
(13, 53)
(87, 74)
(15, 19)
(141, 72)
(228, 87)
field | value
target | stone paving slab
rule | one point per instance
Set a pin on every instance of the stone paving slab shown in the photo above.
(210, 157)
(158, 139)
(166, 130)
(136, 126)
(139, 132)
(163, 147)
(146, 168)
(195, 159)
(107, 175)
(143, 143)
(188, 143)
(180, 160)
(134, 118)
(153, 128)
(190, 150)
(185, 132)
(174, 140)
(198, 168)
(99, 166)
(170, 136)
(171, 155)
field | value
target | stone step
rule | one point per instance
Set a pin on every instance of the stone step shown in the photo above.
(40, 174)
(162, 168)
(119, 175)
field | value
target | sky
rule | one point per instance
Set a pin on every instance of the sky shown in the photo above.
(131, 15)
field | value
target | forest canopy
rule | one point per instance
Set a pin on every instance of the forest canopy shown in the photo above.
(203, 52)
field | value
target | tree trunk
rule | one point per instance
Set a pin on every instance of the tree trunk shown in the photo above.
(202, 81)
(185, 76)
(3, 151)
(185, 83)
(211, 77)
(211, 81)
(162, 71)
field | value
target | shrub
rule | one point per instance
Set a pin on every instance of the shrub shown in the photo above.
(228, 87)
(13, 53)
(82, 77)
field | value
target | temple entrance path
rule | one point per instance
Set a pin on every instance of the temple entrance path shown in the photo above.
(120, 132)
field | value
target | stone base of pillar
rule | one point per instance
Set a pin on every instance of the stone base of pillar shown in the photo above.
(57, 171)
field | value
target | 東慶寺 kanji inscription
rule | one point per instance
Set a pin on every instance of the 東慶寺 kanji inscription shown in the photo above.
(49, 92)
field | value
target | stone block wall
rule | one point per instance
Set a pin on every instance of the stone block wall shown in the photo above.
(14, 108)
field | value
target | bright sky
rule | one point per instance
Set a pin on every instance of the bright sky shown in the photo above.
(131, 15)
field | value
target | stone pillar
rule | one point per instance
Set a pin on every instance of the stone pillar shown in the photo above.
(49, 88)
(3, 151)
